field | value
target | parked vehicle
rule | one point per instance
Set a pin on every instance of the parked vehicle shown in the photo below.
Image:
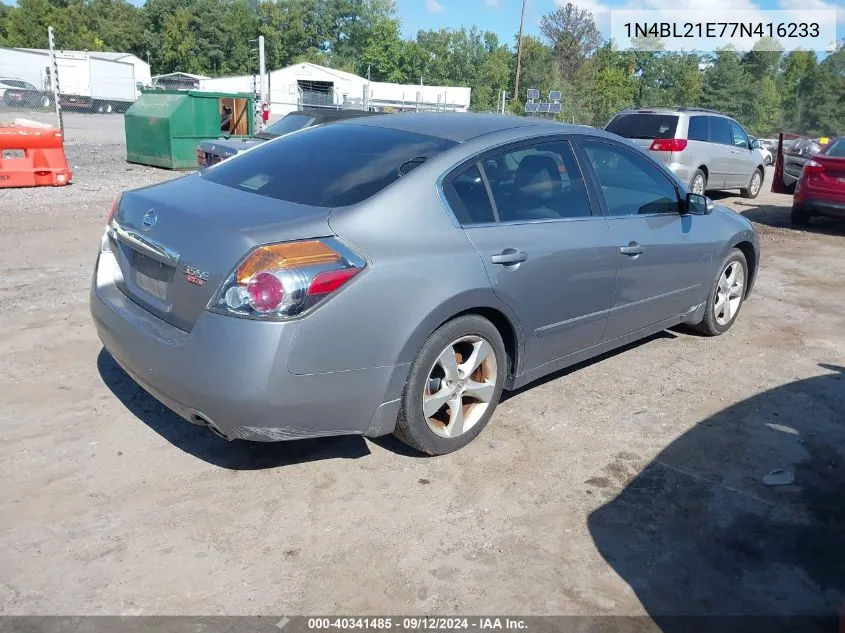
(821, 186)
(212, 152)
(92, 83)
(396, 273)
(796, 152)
(705, 149)
(766, 154)
(17, 93)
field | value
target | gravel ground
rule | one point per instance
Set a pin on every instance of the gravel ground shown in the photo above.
(627, 485)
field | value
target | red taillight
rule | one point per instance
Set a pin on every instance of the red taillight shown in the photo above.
(277, 282)
(331, 280)
(813, 167)
(668, 145)
(266, 292)
(114, 206)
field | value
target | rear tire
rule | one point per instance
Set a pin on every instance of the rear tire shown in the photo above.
(698, 183)
(726, 295)
(442, 374)
(800, 217)
(754, 185)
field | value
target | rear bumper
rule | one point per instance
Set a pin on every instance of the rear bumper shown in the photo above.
(822, 207)
(231, 374)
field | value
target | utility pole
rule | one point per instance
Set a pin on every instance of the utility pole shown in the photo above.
(519, 51)
(54, 78)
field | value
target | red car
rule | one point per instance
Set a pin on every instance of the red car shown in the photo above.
(821, 187)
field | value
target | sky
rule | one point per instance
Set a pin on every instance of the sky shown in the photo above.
(502, 16)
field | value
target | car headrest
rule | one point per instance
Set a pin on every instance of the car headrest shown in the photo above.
(538, 176)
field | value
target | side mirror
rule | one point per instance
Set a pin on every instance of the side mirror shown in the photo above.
(696, 204)
(755, 144)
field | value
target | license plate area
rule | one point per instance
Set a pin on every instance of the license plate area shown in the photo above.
(151, 276)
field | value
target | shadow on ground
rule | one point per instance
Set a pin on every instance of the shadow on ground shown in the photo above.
(202, 443)
(697, 533)
(778, 216)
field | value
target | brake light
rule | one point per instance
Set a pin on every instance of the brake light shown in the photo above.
(813, 167)
(668, 145)
(278, 282)
(114, 207)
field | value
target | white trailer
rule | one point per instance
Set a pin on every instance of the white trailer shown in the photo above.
(30, 66)
(91, 83)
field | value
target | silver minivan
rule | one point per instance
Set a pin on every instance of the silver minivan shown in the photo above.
(704, 148)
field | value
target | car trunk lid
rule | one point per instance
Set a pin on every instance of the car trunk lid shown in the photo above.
(177, 242)
(830, 177)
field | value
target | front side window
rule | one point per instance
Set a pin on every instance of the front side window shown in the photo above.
(631, 184)
(327, 166)
(740, 138)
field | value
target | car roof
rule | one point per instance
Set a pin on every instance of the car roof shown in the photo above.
(459, 126)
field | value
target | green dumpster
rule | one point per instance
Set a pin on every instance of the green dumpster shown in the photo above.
(163, 128)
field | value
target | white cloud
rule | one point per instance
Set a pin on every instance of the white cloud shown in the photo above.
(813, 5)
(432, 6)
(491, 4)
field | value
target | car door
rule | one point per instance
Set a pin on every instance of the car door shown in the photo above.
(664, 258)
(721, 156)
(743, 158)
(527, 210)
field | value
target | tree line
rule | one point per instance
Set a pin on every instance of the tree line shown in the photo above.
(768, 91)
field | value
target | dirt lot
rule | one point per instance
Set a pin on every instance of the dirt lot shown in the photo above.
(628, 485)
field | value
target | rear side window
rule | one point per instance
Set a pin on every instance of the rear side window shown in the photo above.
(331, 166)
(467, 195)
(699, 129)
(640, 125)
(836, 149)
(720, 130)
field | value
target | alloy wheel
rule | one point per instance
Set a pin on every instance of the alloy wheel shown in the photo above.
(755, 183)
(729, 293)
(698, 185)
(460, 386)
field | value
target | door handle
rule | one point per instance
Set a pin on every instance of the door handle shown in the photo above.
(632, 249)
(735, 151)
(509, 256)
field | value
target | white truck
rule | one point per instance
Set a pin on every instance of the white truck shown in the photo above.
(91, 83)
(86, 81)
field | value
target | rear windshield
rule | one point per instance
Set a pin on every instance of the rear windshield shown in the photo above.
(836, 149)
(327, 166)
(287, 124)
(640, 125)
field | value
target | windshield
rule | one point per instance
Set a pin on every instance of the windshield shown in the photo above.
(642, 125)
(286, 125)
(327, 166)
(836, 149)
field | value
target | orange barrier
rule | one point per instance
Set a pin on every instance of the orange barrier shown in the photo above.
(32, 157)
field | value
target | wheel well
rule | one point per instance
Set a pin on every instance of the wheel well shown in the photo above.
(750, 256)
(706, 172)
(506, 331)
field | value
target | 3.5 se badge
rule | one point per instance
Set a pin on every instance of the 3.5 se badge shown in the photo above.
(195, 275)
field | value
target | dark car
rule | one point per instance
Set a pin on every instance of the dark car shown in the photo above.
(796, 152)
(18, 93)
(821, 187)
(212, 152)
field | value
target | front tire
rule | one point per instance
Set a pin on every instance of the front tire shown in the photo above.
(726, 295)
(754, 185)
(454, 386)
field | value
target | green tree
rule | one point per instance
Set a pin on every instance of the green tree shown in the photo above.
(381, 52)
(724, 83)
(796, 85)
(573, 34)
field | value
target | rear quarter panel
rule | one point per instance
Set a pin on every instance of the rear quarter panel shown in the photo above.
(423, 270)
